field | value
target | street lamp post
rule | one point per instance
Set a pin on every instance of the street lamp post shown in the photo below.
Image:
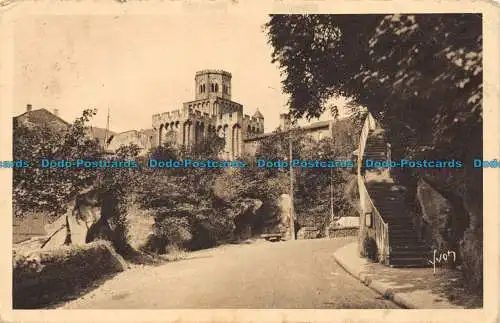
(292, 211)
(331, 195)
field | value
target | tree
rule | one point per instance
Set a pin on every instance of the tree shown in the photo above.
(182, 199)
(49, 190)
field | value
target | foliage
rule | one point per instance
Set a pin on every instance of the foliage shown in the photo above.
(182, 199)
(172, 230)
(429, 64)
(394, 58)
(420, 75)
(312, 188)
(50, 189)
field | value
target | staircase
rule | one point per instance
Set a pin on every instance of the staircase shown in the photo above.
(405, 249)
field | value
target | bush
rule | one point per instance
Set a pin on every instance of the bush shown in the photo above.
(174, 231)
(370, 249)
(47, 276)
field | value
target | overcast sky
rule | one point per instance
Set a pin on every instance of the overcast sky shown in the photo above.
(139, 65)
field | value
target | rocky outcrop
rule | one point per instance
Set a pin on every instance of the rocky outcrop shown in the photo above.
(284, 213)
(81, 224)
(437, 224)
(246, 219)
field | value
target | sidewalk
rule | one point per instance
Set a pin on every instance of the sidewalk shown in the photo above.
(414, 288)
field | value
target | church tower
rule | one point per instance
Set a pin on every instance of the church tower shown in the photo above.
(212, 84)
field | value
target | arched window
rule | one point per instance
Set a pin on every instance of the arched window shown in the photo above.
(216, 87)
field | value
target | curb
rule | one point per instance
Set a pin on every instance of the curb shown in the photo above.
(379, 287)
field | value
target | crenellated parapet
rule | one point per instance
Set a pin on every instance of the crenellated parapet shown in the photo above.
(168, 117)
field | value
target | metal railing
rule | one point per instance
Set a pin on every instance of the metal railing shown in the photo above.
(380, 226)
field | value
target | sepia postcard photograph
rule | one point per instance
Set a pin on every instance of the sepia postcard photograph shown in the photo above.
(235, 161)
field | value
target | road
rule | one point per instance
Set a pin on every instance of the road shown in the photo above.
(298, 274)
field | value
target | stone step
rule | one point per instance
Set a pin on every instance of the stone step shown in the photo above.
(383, 190)
(400, 226)
(388, 204)
(396, 217)
(410, 254)
(403, 225)
(375, 148)
(392, 213)
(380, 195)
(409, 263)
(407, 241)
(375, 156)
(396, 221)
(406, 244)
(405, 234)
(418, 246)
(385, 195)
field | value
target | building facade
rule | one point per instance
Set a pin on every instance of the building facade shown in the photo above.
(211, 112)
(316, 131)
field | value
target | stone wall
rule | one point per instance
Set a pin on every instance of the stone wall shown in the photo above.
(343, 232)
(130, 137)
(308, 233)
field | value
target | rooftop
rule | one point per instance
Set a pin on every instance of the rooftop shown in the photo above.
(41, 116)
(214, 71)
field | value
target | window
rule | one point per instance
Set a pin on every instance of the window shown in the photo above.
(212, 88)
(216, 87)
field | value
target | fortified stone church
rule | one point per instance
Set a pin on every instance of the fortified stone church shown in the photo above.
(211, 112)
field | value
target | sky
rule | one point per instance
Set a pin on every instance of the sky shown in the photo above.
(140, 65)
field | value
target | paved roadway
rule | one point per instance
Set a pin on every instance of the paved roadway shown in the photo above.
(289, 275)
